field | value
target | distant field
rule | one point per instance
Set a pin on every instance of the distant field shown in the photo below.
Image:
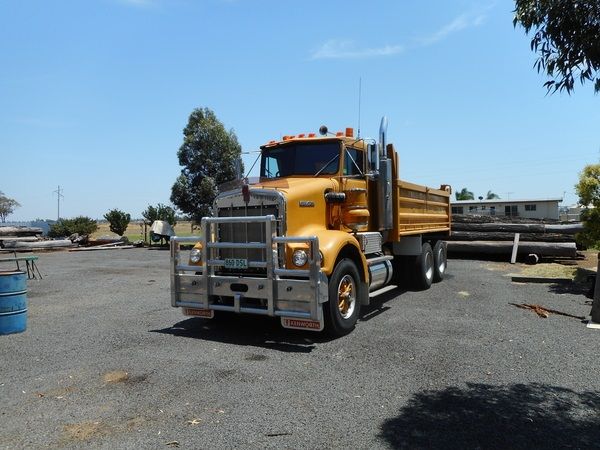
(135, 230)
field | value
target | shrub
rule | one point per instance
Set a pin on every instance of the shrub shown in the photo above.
(118, 220)
(65, 227)
(160, 212)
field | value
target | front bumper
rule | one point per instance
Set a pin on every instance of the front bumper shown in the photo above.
(289, 294)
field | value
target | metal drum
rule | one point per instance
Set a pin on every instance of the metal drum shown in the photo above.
(13, 302)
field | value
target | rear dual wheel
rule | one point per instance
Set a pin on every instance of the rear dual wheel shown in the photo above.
(430, 265)
(440, 261)
(424, 267)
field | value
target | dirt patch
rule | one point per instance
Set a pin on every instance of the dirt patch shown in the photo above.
(255, 357)
(57, 393)
(117, 376)
(84, 431)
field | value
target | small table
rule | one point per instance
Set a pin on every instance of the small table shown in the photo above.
(29, 263)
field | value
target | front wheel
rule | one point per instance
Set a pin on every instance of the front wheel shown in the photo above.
(343, 308)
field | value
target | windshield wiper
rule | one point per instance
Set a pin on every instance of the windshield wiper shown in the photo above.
(326, 164)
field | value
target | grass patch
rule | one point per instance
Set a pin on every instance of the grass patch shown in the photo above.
(135, 230)
(577, 274)
(549, 271)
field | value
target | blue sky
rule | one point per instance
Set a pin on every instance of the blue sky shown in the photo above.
(94, 94)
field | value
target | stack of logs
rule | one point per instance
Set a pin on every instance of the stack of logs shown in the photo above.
(495, 236)
(16, 239)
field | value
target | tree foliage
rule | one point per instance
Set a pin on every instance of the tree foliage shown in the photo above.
(7, 206)
(588, 189)
(119, 221)
(208, 156)
(492, 196)
(464, 194)
(566, 38)
(66, 227)
(160, 212)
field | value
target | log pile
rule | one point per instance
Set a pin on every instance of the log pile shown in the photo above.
(26, 239)
(20, 232)
(523, 239)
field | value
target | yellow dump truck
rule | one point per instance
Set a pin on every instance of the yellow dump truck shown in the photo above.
(328, 222)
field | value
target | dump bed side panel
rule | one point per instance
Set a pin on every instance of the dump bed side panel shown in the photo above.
(420, 209)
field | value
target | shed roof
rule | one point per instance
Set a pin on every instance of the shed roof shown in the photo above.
(501, 200)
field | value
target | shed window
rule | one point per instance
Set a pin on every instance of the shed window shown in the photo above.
(457, 210)
(530, 207)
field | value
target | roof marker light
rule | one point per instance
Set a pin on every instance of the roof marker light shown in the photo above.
(339, 134)
(311, 134)
(349, 132)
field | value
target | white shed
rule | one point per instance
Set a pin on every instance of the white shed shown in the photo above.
(536, 208)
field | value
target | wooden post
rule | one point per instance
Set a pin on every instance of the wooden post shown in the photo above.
(596, 303)
(513, 258)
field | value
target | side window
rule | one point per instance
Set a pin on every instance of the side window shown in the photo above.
(271, 167)
(354, 162)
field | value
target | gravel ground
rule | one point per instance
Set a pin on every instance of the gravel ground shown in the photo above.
(107, 363)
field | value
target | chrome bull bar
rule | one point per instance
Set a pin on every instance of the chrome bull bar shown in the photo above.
(281, 292)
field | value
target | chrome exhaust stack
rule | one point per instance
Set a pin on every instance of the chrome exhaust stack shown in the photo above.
(384, 182)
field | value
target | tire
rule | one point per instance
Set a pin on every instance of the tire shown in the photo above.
(343, 308)
(424, 268)
(440, 261)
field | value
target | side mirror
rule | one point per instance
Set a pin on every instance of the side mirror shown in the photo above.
(373, 154)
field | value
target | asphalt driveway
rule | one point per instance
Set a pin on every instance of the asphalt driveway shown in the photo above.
(107, 363)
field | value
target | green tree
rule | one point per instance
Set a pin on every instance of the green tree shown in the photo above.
(464, 194)
(66, 227)
(491, 196)
(208, 156)
(119, 221)
(588, 189)
(160, 212)
(566, 38)
(7, 206)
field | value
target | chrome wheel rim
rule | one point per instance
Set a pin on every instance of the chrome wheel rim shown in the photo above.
(429, 265)
(346, 296)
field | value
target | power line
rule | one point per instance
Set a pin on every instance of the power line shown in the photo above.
(58, 193)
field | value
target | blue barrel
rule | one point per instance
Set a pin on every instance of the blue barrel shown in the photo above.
(13, 302)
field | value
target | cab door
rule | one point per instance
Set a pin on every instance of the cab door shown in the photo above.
(355, 210)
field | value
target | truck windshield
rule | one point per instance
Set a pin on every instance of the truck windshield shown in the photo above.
(320, 158)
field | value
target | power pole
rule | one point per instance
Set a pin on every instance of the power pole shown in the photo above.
(58, 193)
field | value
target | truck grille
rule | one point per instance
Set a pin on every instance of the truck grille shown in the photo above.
(245, 233)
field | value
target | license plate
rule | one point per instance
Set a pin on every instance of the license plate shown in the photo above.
(236, 263)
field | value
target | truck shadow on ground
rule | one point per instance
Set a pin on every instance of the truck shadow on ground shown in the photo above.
(266, 332)
(516, 416)
(256, 331)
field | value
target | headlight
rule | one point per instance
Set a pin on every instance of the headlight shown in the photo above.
(299, 258)
(195, 255)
